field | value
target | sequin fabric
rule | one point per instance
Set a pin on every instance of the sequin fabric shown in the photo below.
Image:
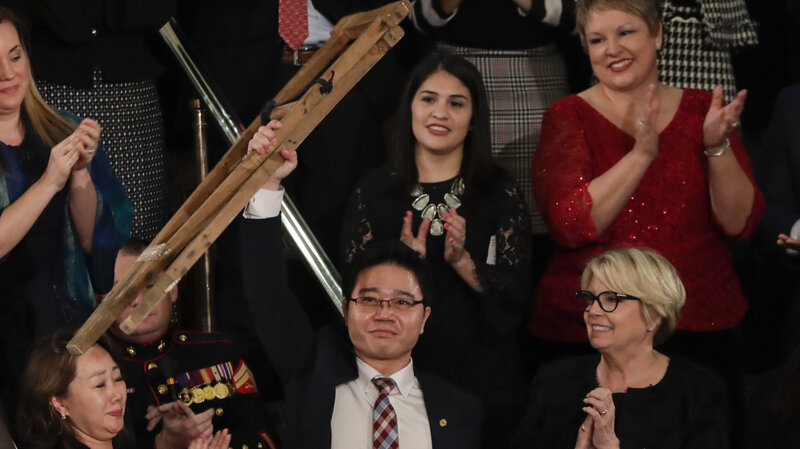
(133, 136)
(670, 211)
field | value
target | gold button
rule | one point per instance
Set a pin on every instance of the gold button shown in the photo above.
(442, 422)
(182, 337)
(219, 411)
(162, 389)
(260, 446)
(131, 351)
(152, 365)
(244, 446)
(161, 346)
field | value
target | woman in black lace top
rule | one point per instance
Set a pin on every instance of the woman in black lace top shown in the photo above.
(475, 233)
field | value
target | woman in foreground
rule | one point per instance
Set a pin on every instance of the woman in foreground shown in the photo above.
(628, 395)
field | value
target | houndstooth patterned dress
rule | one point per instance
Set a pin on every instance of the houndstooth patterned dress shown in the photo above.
(133, 137)
(699, 36)
(520, 86)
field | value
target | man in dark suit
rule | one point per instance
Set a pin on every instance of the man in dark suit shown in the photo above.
(330, 380)
(778, 167)
(775, 300)
(240, 45)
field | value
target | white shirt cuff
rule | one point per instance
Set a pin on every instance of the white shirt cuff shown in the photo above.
(552, 14)
(431, 16)
(795, 234)
(264, 204)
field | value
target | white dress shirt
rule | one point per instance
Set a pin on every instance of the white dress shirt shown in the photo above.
(319, 28)
(351, 423)
(264, 204)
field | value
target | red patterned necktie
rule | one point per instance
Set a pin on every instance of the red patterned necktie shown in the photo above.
(384, 419)
(293, 22)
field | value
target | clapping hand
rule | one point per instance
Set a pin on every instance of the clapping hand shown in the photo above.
(788, 242)
(597, 430)
(456, 227)
(417, 243)
(180, 424)
(221, 440)
(63, 157)
(721, 119)
(646, 132)
(87, 136)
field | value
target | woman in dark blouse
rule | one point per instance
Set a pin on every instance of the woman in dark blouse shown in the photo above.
(445, 198)
(630, 395)
(63, 214)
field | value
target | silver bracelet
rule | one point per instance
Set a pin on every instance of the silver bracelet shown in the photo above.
(718, 150)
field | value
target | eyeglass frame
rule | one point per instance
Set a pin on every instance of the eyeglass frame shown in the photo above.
(582, 295)
(388, 302)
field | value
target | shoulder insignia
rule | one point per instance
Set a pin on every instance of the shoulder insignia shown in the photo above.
(243, 380)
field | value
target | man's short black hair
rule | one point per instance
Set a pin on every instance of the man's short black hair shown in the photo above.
(391, 252)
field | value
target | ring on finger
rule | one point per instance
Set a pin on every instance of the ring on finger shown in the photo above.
(603, 412)
(735, 124)
(642, 121)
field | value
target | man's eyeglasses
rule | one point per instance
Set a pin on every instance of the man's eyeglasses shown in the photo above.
(608, 301)
(370, 303)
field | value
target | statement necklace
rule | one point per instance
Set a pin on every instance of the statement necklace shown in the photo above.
(436, 212)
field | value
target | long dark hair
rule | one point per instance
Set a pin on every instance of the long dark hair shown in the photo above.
(49, 372)
(477, 164)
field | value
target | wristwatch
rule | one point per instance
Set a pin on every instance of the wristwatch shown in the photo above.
(718, 150)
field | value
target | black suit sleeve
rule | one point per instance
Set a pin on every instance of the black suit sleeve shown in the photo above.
(279, 321)
(777, 169)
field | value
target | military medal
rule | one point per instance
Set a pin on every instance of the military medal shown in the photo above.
(222, 391)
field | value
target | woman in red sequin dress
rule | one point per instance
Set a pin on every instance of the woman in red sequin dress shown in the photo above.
(633, 162)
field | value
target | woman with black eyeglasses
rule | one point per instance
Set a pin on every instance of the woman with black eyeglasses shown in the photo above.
(630, 395)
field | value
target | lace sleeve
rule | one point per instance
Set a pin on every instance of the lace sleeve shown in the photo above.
(506, 282)
(562, 170)
(356, 227)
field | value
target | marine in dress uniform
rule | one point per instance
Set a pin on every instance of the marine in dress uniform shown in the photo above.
(202, 369)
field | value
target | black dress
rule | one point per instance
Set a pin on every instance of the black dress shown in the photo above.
(686, 409)
(470, 337)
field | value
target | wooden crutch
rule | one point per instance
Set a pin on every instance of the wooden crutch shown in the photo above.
(362, 39)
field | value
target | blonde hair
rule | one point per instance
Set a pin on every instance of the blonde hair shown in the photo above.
(643, 273)
(647, 10)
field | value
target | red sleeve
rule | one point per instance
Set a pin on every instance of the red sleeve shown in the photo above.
(759, 203)
(757, 211)
(561, 172)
